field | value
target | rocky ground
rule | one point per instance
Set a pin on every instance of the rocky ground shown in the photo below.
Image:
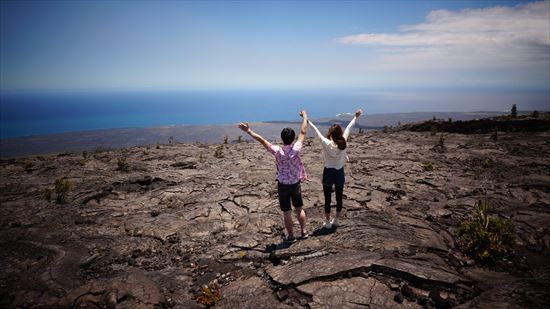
(189, 215)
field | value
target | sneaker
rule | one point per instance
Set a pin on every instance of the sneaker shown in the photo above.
(335, 222)
(327, 224)
(288, 240)
(305, 235)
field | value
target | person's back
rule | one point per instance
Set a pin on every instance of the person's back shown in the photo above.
(290, 173)
(334, 157)
(290, 169)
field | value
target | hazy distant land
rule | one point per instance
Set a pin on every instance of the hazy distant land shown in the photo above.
(128, 137)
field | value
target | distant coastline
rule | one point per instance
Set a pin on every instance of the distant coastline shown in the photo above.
(130, 137)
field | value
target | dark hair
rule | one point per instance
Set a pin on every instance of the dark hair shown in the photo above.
(287, 135)
(335, 133)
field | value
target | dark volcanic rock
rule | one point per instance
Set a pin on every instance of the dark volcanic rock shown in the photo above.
(353, 293)
(152, 237)
(249, 293)
(133, 290)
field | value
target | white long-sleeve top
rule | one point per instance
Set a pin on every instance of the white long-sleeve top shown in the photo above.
(332, 155)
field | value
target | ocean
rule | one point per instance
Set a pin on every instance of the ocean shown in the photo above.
(42, 113)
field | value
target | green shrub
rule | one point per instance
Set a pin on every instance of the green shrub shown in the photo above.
(486, 238)
(514, 111)
(487, 163)
(240, 139)
(122, 165)
(209, 295)
(386, 129)
(46, 194)
(442, 139)
(62, 187)
(433, 130)
(440, 145)
(219, 152)
(225, 139)
(158, 146)
(28, 164)
(427, 166)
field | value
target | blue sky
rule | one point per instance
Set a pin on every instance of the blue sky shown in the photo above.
(281, 44)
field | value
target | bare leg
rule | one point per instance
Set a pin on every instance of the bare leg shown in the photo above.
(301, 214)
(338, 214)
(287, 217)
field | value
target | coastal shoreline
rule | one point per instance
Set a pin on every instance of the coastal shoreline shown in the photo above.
(129, 137)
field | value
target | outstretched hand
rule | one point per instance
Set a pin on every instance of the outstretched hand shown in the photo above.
(358, 113)
(244, 126)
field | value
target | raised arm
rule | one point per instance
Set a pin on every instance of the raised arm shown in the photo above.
(352, 123)
(246, 127)
(323, 139)
(303, 128)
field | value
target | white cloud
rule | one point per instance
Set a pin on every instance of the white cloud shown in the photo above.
(491, 37)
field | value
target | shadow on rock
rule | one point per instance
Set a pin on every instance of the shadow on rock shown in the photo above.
(273, 247)
(323, 231)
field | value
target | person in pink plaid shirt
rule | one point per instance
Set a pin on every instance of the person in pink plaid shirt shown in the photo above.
(290, 173)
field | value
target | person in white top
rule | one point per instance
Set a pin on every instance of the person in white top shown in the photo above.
(334, 155)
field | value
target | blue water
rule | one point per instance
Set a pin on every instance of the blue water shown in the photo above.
(39, 113)
(53, 112)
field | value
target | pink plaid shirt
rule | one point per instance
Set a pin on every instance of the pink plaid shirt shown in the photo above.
(290, 169)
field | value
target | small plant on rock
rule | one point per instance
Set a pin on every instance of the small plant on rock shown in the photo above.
(62, 187)
(440, 146)
(219, 152)
(487, 163)
(240, 139)
(427, 166)
(158, 146)
(514, 111)
(225, 139)
(122, 165)
(386, 129)
(28, 164)
(486, 238)
(535, 114)
(210, 294)
(46, 194)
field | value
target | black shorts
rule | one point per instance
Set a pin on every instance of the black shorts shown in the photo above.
(332, 176)
(288, 193)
